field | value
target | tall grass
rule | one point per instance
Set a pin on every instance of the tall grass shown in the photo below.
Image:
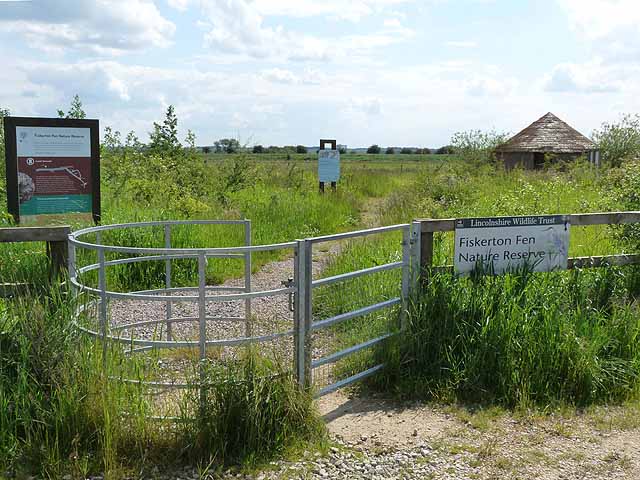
(251, 411)
(64, 408)
(521, 339)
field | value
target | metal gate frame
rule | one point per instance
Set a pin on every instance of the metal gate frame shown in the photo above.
(301, 289)
(305, 284)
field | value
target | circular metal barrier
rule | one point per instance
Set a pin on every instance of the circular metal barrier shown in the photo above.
(92, 254)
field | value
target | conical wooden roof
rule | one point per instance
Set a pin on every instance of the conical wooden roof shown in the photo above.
(548, 134)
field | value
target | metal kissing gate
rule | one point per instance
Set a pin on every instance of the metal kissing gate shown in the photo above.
(318, 320)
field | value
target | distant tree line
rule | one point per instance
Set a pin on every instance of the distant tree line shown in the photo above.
(276, 149)
(446, 150)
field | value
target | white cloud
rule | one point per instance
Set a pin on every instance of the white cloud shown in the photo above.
(590, 77)
(181, 5)
(611, 27)
(367, 105)
(280, 75)
(102, 26)
(353, 10)
(461, 44)
(238, 27)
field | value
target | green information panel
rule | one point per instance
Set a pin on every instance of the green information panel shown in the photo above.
(52, 169)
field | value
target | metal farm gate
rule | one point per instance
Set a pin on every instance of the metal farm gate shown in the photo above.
(340, 318)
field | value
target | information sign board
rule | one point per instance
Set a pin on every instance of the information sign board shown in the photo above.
(329, 165)
(501, 244)
(52, 169)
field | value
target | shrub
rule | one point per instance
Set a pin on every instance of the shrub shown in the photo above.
(390, 151)
(258, 149)
(620, 141)
(301, 149)
(477, 146)
(406, 151)
(625, 195)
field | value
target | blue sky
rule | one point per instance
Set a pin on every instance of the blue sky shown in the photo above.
(274, 72)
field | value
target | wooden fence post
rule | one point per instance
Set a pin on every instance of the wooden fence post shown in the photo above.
(426, 249)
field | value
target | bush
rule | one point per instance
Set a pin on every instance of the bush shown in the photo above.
(258, 149)
(406, 151)
(301, 149)
(390, 151)
(620, 141)
(373, 149)
(625, 195)
(477, 146)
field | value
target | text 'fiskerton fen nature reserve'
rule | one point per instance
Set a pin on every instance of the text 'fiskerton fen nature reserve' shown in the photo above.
(507, 243)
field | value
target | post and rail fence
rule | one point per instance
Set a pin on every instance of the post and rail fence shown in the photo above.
(430, 226)
(56, 239)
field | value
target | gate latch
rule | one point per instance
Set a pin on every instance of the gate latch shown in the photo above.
(288, 283)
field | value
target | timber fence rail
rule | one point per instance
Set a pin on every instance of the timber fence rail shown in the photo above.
(429, 226)
(56, 239)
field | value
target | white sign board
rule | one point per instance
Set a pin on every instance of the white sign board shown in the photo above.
(328, 165)
(506, 243)
(54, 142)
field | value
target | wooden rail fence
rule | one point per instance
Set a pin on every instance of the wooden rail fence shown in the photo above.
(429, 226)
(57, 250)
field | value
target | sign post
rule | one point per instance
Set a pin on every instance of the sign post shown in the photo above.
(53, 169)
(328, 164)
(501, 244)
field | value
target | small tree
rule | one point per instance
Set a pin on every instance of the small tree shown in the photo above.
(620, 141)
(390, 151)
(301, 149)
(342, 150)
(206, 150)
(373, 149)
(406, 151)
(164, 138)
(258, 149)
(75, 111)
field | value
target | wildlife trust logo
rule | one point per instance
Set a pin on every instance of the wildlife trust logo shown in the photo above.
(30, 161)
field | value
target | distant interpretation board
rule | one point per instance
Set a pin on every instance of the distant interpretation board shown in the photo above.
(500, 244)
(328, 165)
(53, 169)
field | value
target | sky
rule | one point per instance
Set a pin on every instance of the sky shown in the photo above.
(283, 72)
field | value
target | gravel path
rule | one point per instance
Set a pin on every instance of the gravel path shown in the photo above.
(270, 315)
(373, 438)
